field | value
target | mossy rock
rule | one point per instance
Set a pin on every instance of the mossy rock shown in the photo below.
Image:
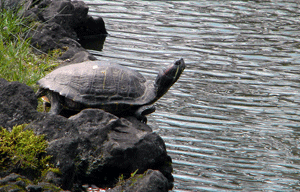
(23, 152)
(16, 182)
(151, 180)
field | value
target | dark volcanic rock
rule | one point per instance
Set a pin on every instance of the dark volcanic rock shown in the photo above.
(16, 182)
(78, 57)
(73, 15)
(64, 22)
(95, 147)
(17, 104)
(47, 37)
(15, 4)
(148, 182)
(90, 27)
(63, 137)
(127, 147)
(64, 12)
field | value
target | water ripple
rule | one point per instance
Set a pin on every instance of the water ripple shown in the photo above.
(231, 122)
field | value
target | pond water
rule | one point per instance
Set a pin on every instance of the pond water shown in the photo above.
(231, 122)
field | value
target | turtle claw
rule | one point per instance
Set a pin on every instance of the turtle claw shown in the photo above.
(143, 111)
(144, 120)
(141, 118)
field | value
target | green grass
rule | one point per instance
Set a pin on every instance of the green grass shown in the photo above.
(17, 60)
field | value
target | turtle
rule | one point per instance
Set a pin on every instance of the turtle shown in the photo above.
(100, 84)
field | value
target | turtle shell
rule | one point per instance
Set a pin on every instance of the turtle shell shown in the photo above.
(99, 83)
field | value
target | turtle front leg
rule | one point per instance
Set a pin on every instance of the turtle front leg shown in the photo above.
(46, 103)
(141, 113)
(56, 103)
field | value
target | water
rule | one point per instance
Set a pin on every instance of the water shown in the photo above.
(231, 122)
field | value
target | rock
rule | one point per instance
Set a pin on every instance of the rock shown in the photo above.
(12, 182)
(64, 22)
(126, 147)
(96, 147)
(47, 37)
(93, 42)
(53, 36)
(17, 104)
(16, 182)
(150, 181)
(90, 27)
(63, 137)
(133, 151)
(73, 49)
(34, 188)
(66, 13)
(78, 57)
(15, 4)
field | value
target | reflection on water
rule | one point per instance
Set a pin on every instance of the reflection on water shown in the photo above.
(231, 122)
(93, 42)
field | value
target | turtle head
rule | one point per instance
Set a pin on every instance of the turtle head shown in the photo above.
(167, 77)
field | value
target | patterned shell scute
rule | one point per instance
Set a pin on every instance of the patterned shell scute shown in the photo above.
(96, 83)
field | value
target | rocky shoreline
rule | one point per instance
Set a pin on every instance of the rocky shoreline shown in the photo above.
(92, 147)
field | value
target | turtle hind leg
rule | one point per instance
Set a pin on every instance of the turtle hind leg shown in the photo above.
(56, 103)
(141, 113)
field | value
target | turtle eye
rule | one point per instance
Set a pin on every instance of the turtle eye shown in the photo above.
(180, 61)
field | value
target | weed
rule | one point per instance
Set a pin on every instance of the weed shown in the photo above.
(133, 174)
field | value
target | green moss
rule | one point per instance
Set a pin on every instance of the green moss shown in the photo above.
(15, 185)
(12, 187)
(23, 151)
(50, 187)
(21, 183)
(26, 181)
